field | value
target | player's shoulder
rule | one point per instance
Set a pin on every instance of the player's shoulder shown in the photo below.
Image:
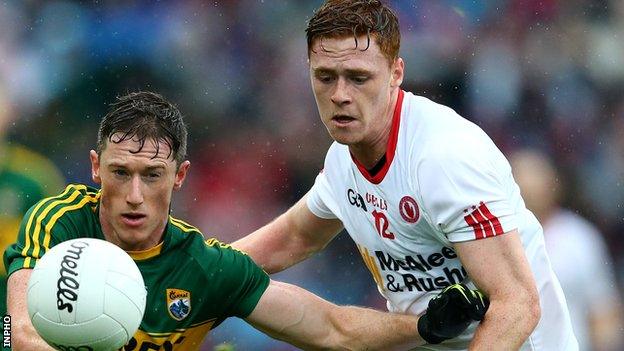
(76, 200)
(337, 150)
(438, 128)
(440, 140)
(423, 112)
(187, 237)
(58, 218)
(208, 252)
(337, 159)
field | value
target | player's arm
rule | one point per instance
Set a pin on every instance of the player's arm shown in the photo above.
(289, 239)
(292, 314)
(500, 269)
(295, 315)
(23, 334)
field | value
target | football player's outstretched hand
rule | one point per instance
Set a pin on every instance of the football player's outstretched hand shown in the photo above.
(451, 312)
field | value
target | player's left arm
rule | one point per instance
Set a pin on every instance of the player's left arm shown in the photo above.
(500, 269)
(292, 314)
(297, 316)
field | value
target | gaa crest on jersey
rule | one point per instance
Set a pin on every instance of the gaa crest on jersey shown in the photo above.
(178, 303)
(408, 208)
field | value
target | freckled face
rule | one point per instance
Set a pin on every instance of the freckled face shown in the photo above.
(353, 88)
(136, 191)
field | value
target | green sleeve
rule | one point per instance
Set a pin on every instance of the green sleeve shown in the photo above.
(243, 281)
(16, 254)
(45, 224)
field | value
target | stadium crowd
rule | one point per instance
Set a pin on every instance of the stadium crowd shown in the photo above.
(544, 74)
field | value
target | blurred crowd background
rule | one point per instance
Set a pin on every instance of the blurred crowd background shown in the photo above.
(541, 74)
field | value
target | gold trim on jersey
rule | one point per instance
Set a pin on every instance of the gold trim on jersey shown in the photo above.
(215, 241)
(89, 198)
(210, 242)
(156, 250)
(145, 254)
(181, 339)
(369, 261)
(185, 227)
(49, 204)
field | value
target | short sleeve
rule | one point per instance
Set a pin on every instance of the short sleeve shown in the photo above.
(466, 186)
(244, 282)
(48, 222)
(17, 253)
(36, 235)
(320, 199)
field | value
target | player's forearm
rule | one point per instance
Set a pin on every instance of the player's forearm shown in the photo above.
(297, 316)
(352, 328)
(356, 328)
(507, 324)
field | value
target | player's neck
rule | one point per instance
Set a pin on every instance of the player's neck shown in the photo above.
(371, 151)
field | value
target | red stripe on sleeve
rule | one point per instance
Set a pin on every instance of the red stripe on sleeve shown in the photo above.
(487, 225)
(475, 226)
(498, 228)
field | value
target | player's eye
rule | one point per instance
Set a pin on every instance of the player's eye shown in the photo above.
(152, 176)
(359, 79)
(324, 78)
(120, 173)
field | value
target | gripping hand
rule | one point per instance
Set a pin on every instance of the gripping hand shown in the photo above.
(451, 312)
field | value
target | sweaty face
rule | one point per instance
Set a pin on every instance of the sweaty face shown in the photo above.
(136, 191)
(353, 88)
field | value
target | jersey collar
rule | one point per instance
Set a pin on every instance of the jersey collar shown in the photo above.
(390, 148)
(145, 254)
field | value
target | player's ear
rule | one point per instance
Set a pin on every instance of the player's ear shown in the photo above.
(398, 69)
(181, 174)
(95, 167)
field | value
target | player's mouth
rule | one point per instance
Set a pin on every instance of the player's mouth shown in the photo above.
(342, 120)
(133, 219)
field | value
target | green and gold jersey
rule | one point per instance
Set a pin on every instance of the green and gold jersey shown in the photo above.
(192, 284)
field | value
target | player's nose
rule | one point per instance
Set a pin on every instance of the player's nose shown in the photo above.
(341, 95)
(134, 196)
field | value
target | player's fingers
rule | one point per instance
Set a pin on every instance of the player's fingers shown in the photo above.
(479, 305)
(459, 293)
(439, 301)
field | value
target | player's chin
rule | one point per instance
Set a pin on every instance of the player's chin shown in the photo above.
(344, 135)
(133, 240)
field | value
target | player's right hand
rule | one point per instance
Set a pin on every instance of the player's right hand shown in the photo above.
(451, 312)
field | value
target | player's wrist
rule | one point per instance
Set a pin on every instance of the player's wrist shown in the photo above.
(451, 312)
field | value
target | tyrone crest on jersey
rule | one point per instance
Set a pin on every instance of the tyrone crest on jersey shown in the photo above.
(408, 208)
(178, 303)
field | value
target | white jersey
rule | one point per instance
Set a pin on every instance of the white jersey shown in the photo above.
(444, 181)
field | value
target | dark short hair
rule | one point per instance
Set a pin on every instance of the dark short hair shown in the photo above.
(342, 18)
(143, 116)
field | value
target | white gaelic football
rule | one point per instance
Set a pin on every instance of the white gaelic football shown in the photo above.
(86, 294)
